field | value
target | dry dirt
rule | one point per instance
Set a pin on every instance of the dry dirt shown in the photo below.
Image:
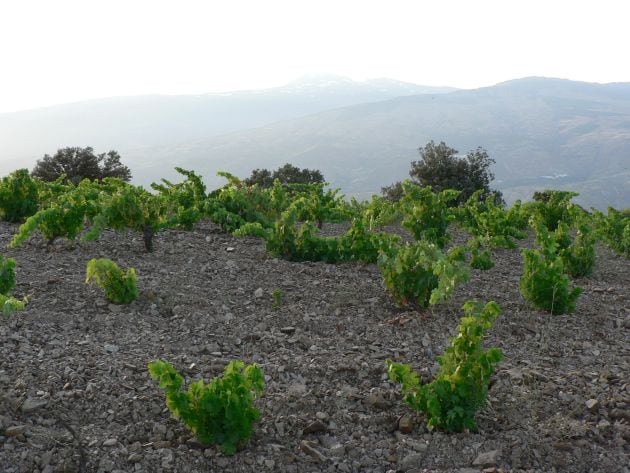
(75, 393)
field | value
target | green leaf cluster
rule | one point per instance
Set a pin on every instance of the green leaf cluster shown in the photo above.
(553, 207)
(427, 215)
(459, 390)
(8, 303)
(614, 229)
(420, 274)
(577, 254)
(119, 287)
(219, 412)
(132, 207)
(294, 240)
(188, 198)
(490, 222)
(277, 299)
(19, 196)
(66, 208)
(544, 282)
(480, 256)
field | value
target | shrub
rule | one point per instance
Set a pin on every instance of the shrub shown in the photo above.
(18, 196)
(490, 222)
(544, 282)
(277, 299)
(459, 390)
(8, 303)
(420, 274)
(578, 254)
(7, 275)
(119, 287)
(553, 207)
(221, 411)
(427, 214)
(67, 208)
(614, 229)
(188, 198)
(480, 256)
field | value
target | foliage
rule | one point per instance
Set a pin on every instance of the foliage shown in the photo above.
(287, 174)
(134, 208)
(235, 204)
(553, 207)
(360, 244)
(459, 390)
(76, 164)
(8, 303)
(614, 229)
(119, 287)
(295, 241)
(252, 229)
(188, 198)
(7, 275)
(420, 274)
(375, 213)
(277, 299)
(427, 214)
(440, 168)
(543, 281)
(518, 215)
(578, 255)
(320, 205)
(393, 192)
(299, 242)
(67, 208)
(18, 196)
(221, 411)
(480, 256)
(490, 222)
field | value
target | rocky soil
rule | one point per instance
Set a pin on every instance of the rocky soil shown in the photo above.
(76, 396)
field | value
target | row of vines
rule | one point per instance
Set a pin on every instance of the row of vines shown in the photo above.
(420, 270)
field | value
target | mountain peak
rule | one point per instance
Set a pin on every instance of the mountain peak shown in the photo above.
(320, 80)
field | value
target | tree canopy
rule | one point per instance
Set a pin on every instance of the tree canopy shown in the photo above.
(441, 168)
(80, 163)
(287, 174)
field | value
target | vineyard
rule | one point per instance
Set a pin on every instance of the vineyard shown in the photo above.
(289, 329)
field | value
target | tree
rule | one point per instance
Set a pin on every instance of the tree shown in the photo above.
(287, 174)
(80, 163)
(441, 168)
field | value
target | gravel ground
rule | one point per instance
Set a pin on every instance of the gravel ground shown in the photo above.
(76, 396)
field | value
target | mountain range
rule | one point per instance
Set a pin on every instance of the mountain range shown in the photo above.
(542, 132)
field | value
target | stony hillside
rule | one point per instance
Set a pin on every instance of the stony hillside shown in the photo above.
(75, 394)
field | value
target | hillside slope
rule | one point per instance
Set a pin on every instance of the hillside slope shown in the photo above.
(71, 360)
(542, 133)
(128, 123)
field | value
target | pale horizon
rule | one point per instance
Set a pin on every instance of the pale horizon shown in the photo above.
(71, 50)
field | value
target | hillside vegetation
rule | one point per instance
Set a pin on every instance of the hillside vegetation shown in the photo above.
(314, 309)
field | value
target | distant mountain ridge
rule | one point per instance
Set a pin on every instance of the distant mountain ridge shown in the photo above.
(542, 132)
(125, 123)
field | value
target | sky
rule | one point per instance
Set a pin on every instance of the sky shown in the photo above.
(65, 50)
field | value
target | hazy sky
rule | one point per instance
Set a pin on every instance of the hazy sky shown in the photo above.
(55, 51)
